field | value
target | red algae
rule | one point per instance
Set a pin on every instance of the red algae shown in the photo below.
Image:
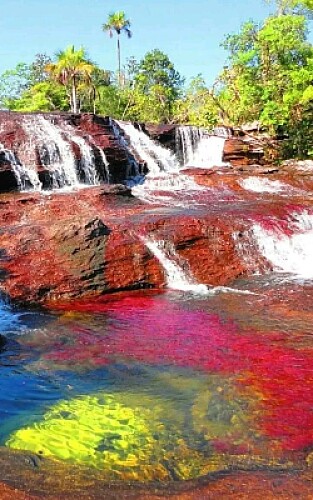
(143, 329)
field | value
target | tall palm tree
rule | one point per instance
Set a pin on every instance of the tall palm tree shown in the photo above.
(118, 23)
(71, 68)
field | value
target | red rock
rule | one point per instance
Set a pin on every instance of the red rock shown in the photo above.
(18, 134)
(242, 152)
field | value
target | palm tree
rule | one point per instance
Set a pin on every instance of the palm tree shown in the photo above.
(71, 68)
(118, 23)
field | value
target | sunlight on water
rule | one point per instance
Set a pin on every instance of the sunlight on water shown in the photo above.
(292, 252)
(160, 387)
(263, 185)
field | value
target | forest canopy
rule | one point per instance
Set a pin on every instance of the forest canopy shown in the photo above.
(267, 79)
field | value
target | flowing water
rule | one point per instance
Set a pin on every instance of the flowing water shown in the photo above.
(26, 178)
(167, 386)
(197, 148)
(163, 387)
(166, 183)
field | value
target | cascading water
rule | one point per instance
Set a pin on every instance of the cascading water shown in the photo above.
(177, 278)
(159, 159)
(54, 151)
(289, 250)
(187, 139)
(164, 180)
(55, 144)
(26, 178)
(199, 149)
(87, 161)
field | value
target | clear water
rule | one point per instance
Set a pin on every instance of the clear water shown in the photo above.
(187, 385)
(170, 386)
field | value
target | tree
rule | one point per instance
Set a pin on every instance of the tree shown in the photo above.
(198, 106)
(268, 71)
(286, 7)
(43, 96)
(157, 86)
(118, 23)
(71, 69)
(38, 71)
(14, 82)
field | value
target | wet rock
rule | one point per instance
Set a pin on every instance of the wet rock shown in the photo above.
(34, 140)
(242, 152)
(165, 134)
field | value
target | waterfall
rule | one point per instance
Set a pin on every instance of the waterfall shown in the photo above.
(106, 164)
(55, 152)
(87, 161)
(177, 278)
(164, 180)
(290, 249)
(25, 177)
(158, 158)
(56, 145)
(187, 139)
(198, 148)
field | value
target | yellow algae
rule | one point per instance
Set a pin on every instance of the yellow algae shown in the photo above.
(136, 437)
(92, 431)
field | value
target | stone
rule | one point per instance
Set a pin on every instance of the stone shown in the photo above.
(24, 136)
(242, 151)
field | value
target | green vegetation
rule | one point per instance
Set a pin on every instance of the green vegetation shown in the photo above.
(268, 79)
(118, 23)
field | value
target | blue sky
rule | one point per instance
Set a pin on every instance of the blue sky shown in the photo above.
(189, 31)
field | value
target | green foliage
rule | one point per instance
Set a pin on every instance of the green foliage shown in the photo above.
(13, 83)
(268, 78)
(269, 72)
(117, 23)
(156, 87)
(197, 106)
(284, 7)
(72, 69)
(112, 101)
(43, 96)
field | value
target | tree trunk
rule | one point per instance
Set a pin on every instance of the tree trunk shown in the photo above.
(119, 60)
(74, 97)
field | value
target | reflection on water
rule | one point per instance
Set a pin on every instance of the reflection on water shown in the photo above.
(166, 386)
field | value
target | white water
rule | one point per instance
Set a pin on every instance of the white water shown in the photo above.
(55, 152)
(164, 180)
(25, 177)
(209, 153)
(187, 140)
(177, 278)
(289, 254)
(158, 158)
(263, 185)
(87, 162)
(199, 149)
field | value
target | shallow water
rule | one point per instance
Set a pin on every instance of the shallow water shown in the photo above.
(164, 386)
